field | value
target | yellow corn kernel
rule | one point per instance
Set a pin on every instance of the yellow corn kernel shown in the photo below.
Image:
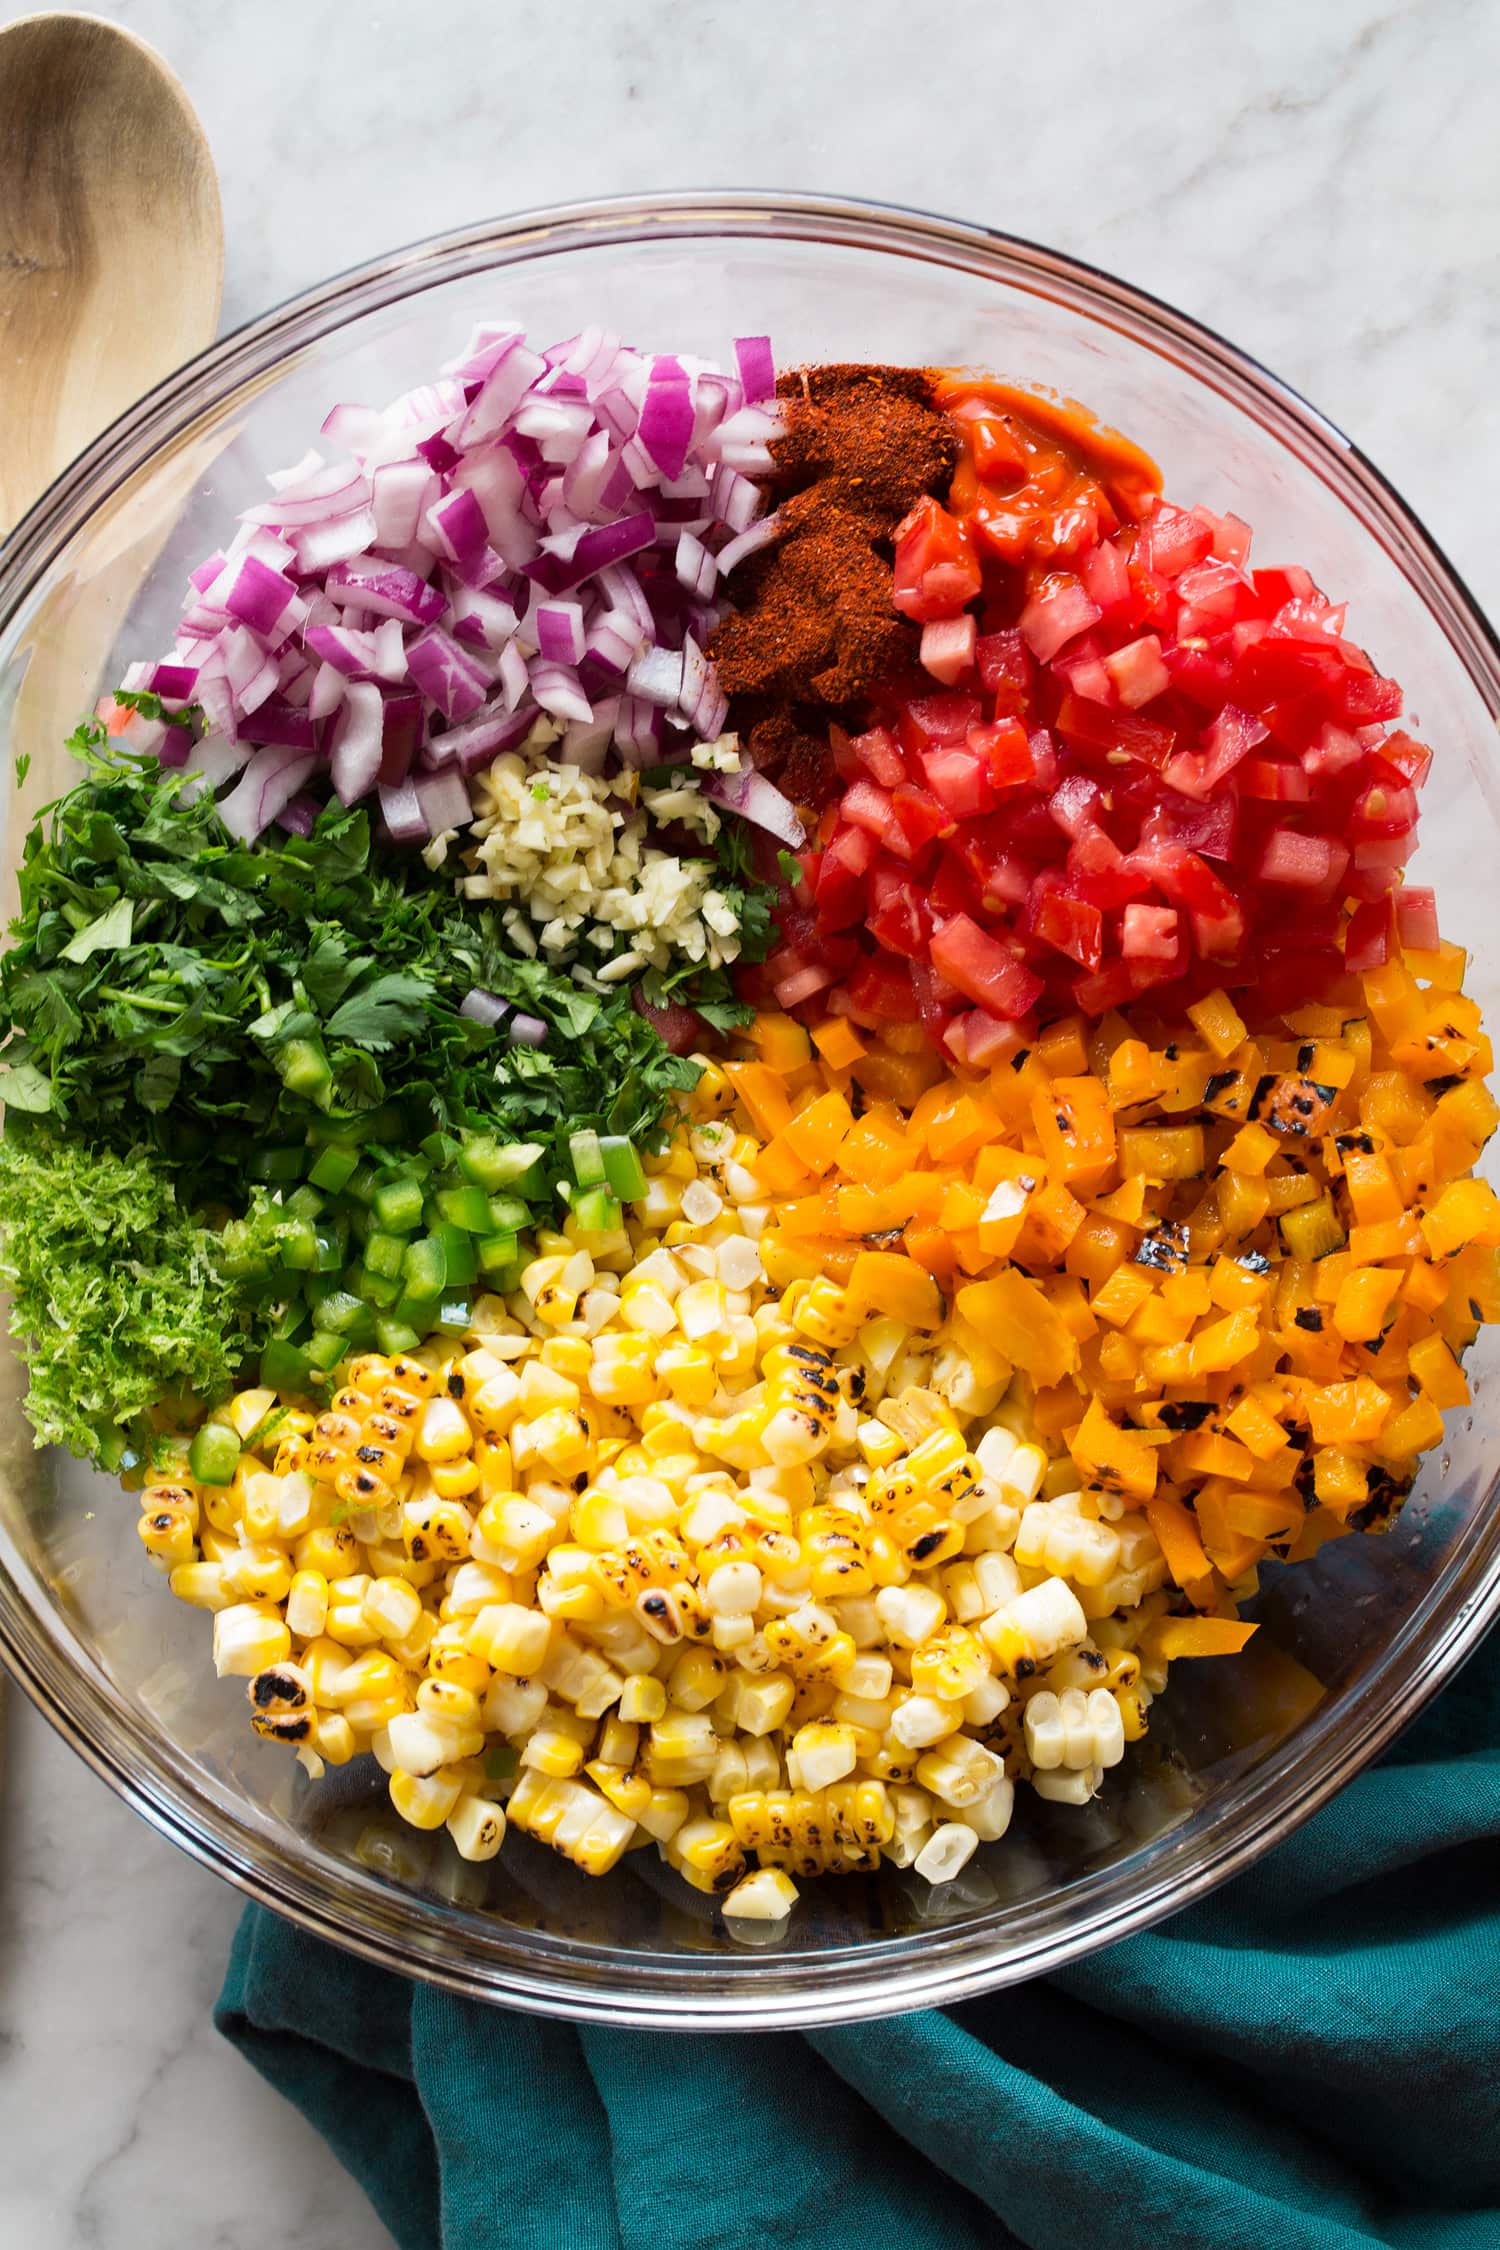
(425, 1800)
(454, 1480)
(510, 1639)
(168, 1536)
(434, 1530)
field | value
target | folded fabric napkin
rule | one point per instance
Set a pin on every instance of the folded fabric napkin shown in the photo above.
(1310, 2059)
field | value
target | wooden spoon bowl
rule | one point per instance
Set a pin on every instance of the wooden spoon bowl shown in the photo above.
(111, 239)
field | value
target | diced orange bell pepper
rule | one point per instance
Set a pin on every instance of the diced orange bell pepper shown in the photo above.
(781, 1042)
(1340, 1478)
(1053, 1217)
(1097, 1250)
(1224, 1343)
(1163, 1152)
(885, 1281)
(839, 1043)
(1115, 1459)
(1176, 1533)
(1348, 1413)
(1414, 1430)
(1015, 1315)
(1364, 1298)
(1373, 1194)
(1168, 1638)
(1076, 1128)
(932, 1249)
(1251, 1150)
(763, 1095)
(1256, 1429)
(1438, 1372)
(1216, 1020)
(817, 1133)
(1123, 1295)
(1062, 1048)
(1466, 1211)
(1127, 1203)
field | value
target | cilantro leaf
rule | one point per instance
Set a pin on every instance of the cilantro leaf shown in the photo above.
(380, 1012)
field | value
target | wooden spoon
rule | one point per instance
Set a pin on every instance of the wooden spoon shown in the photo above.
(111, 275)
(111, 239)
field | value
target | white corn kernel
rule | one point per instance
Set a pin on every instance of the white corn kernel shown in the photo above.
(947, 1850)
(766, 1896)
(477, 1828)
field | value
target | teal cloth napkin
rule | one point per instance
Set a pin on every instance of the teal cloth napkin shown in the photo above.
(1308, 2061)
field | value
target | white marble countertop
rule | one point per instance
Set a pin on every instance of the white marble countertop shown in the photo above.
(1321, 183)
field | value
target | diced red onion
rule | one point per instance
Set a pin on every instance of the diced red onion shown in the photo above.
(173, 682)
(207, 571)
(749, 542)
(271, 780)
(482, 354)
(401, 810)
(211, 762)
(638, 731)
(323, 544)
(697, 571)
(401, 727)
(483, 1007)
(457, 527)
(559, 631)
(281, 723)
(299, 815)
(399, 493)
(528, 1031)
(499, 395)
(759, 801)
(385, 590)
(555, 687)
(444, 799)
(446, 673)
(656, 677)
(357, 741)
(327, 692)
(324, 493)
(752, 356)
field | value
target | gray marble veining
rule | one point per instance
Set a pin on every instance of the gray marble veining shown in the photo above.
(1321, 183)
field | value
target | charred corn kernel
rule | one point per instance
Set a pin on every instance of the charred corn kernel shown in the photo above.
(477, 1828)
(330, 1550)
(436, 1530)
(1033, 1626)
(689, 1373)
(169, 1536)
(821, 1753)
(201, 1584)
(552, 1752)
(960, 1771)
(259, 1574)
(951, 1665)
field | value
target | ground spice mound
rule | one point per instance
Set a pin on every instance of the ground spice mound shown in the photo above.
(813, 628)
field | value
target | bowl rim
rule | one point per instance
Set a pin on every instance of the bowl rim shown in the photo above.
(763, 1990)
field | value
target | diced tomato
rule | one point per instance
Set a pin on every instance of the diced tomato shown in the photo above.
(840, 893)
(936, 573)
(898, 924)
(1057, 613)
(1231, 537)
(961, 780)
(919, 818)
(880, 991)
(1005, 751)
(1076, 803)
(1228, 739)
(873, 753)
(1274, 782)
(948, 648)
(928, 722)
(1088, 727)
(866, 805)
(1304, 863)
(1149, 933)
(1137, 672)
(1106, 580)
(999, 455)
(1172, 540)
(1334, 750)
(1405, 758)
(1211, 828)
(1100, 872)
(1069, 925)
(1006, 671)
(802, 984)
(1416, 919)
(983, 969)
(1367, 939)
(1384, 811)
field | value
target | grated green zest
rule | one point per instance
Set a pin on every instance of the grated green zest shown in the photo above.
(118, 1298)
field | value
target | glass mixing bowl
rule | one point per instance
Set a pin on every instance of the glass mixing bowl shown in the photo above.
(1240, 1751)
